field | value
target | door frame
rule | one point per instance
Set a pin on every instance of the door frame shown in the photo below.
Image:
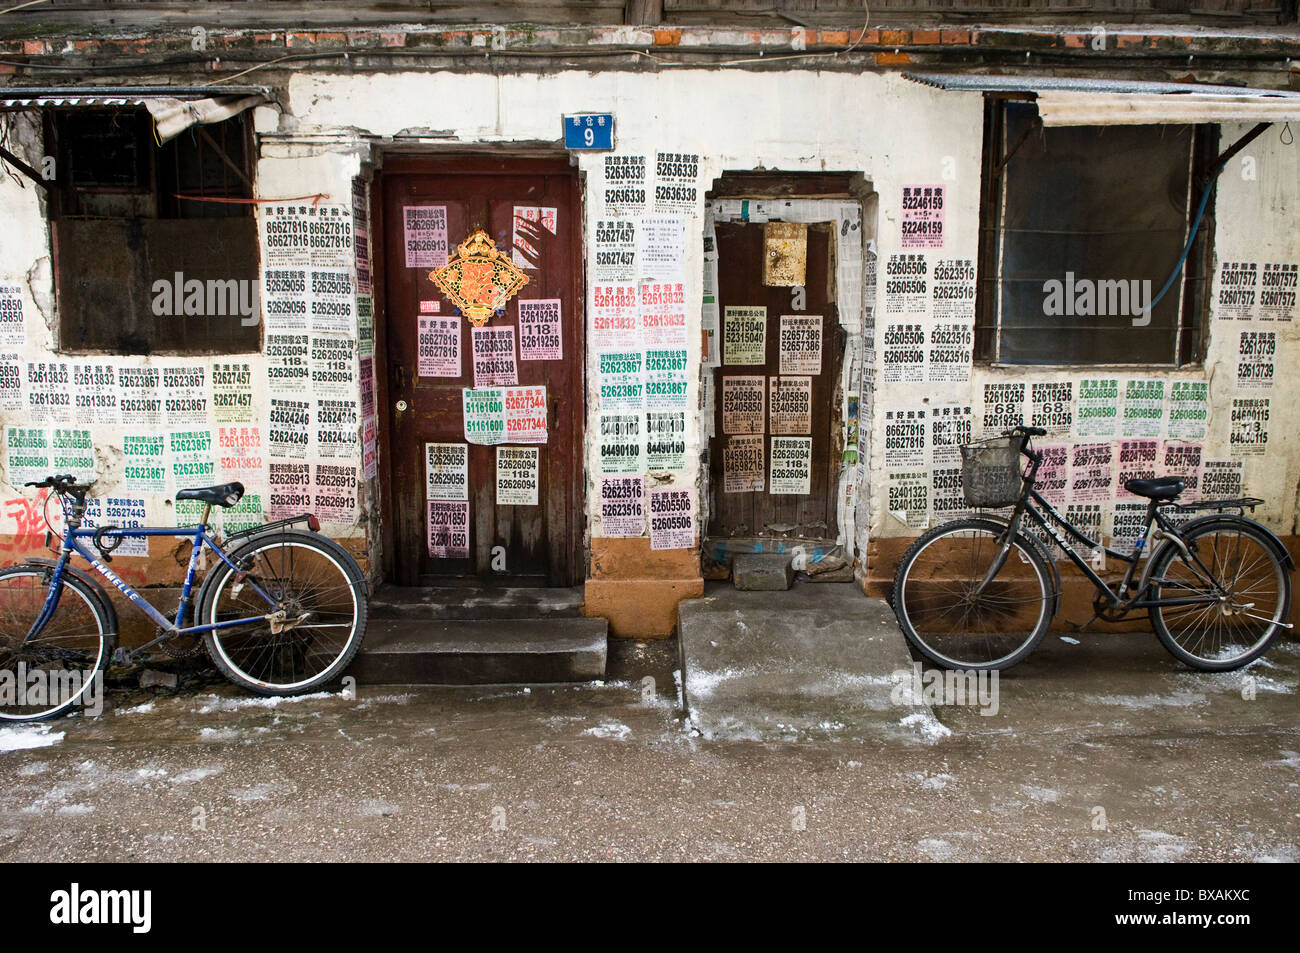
(440, 162)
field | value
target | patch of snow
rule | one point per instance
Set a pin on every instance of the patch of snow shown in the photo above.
(144, 709)
(931, 728)
(704, 684)
(936, 782)
(1178, 699)
(198, 774)
(1066, 638)
(218, 734)
(610, 729)
(372, 807)
(935, 848)
(35, 768)
(217, 703)
(76, 809)
(1042, 795)
(24, 737)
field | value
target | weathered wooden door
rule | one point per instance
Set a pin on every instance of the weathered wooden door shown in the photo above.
(797, 414)
(521, 543)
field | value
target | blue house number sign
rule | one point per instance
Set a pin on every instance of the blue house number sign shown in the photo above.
(592, 132)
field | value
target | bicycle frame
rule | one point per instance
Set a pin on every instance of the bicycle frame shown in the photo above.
(1033, 504)
(73, 542)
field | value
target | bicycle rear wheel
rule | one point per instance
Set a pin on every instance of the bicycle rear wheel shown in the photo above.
(60, 665)
(319, 589)
(1242, 621)
(949, 619)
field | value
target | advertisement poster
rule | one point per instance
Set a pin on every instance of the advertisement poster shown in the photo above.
(369, 449)
(11, 383)
(446, 471)
(1097, 412)
(744, 335)
(622, 443)
(333, 302)
(1249, 434)
(289, 433)
(951, 427)
(625, 185)
(485, 414)
(530, 222)
(1053, 480)
(1051, 406)
(539, 330)
(124, 512)
(909, 492)
(1279, 285)
(192, 464)
(1238, 288)
(27, 455)
(144, 463)
(337, 426)
(744, 467)
(439, 346)
(677, 181)
(948, 502)
(232, 393)
(240, 454)
(307, 260)
(448, 529)
(1256, 353)
(1222, 479)
(366, 384)
(801, 344)
(615, 318)
(949, 355)
(906, 284)
(1137, 461)
(1092, 472)
(665, 441)
(953, 293)
(922, 218)
(672, 518)
(905, 442)
(288, 489)
(517, 476)
(620, 377)
(663, 313)
(1004, 407)
(72, 451)
(1189, 410)
(665, 379)
(790, 400)
(903, 353)
(1144, 407)
(494, 356)
(49, 392)
(526, 414)
(791, 466)
(13, 330)
(424, 234)
(622, 506)
(1127, 523)
(185, 396)
(1086, 517)
(661, 248)
(744, 404)
(614, 250)
(333, 366)
(288, 364)
(1184, 460)
(94, 393)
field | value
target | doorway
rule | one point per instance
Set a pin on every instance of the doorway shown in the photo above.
(507, 511)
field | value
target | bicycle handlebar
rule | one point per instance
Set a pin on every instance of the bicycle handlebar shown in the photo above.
(1022, 430)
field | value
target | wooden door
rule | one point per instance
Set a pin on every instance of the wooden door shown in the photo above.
(763, 513)
(521, 544)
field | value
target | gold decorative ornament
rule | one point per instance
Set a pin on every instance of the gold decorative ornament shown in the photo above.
(479, 279)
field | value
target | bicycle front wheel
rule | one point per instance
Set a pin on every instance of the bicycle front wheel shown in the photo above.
(1248, 587)
(955, 619)
(59, 666)
(310, 631)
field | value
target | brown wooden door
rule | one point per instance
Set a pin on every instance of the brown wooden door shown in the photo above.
(524, 544)
(740, 284)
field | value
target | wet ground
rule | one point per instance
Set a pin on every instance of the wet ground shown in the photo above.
(1102, 750)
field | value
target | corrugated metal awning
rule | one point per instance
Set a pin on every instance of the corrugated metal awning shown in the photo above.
(174, 108)
(1073, 101)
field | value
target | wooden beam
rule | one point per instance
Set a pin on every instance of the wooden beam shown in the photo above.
(644, 12)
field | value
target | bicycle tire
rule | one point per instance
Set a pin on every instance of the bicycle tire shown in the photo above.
(1001, 649)
(1222, 621)
(298, 659)
(81, 623)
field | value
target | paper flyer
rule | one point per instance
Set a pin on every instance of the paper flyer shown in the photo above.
(800, 347)
(791, 466)
(744, 465)
(744, 335)
(446, 471)
(517, 476)
(622, 506)
(424, 234)
(540, 335)
(439, 346)
(672, 518)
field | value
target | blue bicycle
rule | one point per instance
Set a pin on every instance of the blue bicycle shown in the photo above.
(282, 612)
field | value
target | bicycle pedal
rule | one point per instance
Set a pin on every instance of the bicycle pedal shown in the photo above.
(122, 656)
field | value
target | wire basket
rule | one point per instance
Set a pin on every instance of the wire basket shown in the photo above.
(990, 472)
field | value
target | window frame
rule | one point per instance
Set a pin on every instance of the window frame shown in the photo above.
(1193, 289)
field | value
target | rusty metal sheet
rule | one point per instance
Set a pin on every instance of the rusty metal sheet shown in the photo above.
(785, 254)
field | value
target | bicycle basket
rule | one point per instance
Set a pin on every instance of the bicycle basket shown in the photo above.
(990, 472)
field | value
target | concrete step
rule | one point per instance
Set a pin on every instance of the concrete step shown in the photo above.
(414, 651)
(475, 602)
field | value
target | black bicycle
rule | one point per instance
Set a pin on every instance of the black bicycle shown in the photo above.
(980, 593)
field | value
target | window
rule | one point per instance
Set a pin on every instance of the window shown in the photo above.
(1081, 227)
(130, 239)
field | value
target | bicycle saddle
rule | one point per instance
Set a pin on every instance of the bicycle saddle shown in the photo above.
(227, 494)
(1161, 488)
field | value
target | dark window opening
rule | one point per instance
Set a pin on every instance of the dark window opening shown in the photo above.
(128, 227)
(1081, 227)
